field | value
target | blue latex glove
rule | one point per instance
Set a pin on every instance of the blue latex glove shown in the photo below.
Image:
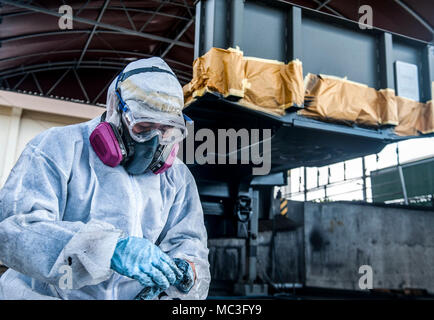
(143, 261)
(183, 284)
(187, 281)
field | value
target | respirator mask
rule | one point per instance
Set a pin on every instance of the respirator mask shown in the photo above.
(144, 139)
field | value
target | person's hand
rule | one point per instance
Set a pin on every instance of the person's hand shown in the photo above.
(188, 275)
(183, 284)
(143, 261)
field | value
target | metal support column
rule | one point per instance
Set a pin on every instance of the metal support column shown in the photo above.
(387, 79)
(365, 197)
(294, 43)
(305, 183)
(198, 32)
(404, 189)
(428, 72)
(207, 27)
(236, 23)
(253, 237)
(401, 175)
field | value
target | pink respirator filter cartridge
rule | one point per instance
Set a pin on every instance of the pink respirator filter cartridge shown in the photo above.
(106, 146)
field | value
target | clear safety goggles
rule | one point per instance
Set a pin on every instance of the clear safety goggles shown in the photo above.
(142, 129)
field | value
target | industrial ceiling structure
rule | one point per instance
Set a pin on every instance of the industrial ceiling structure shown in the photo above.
(38, 56)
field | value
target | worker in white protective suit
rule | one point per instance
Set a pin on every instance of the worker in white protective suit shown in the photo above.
(104, 209)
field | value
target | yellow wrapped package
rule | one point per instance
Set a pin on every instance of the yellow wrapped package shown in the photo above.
(427, 119)
(330, 98)
(273, 86)
(387, 107)
(335, 99)
(410, 115)
(218, 70)
(261, 84)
